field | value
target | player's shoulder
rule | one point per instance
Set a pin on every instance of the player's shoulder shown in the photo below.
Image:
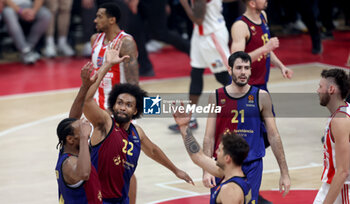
(232, 189)
(94, 37)
(264, 14)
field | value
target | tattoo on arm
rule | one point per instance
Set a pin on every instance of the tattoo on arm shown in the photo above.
(131, 66)
(191, 143)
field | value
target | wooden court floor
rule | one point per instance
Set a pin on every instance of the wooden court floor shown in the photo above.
(28, 140)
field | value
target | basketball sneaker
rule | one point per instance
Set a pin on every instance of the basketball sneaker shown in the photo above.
(28, 57)
(193, 125)
(65, 49)
(50, 50)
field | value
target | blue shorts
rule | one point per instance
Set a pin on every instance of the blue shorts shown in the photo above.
(253, 170)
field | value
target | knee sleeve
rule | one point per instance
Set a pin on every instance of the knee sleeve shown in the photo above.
(223, 77)
(196, 85)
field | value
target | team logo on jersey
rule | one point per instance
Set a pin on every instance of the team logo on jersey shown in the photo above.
(99, 61)
(223, 101)
(116, 160)
(253, 29)
(250, 99)
(152, 105)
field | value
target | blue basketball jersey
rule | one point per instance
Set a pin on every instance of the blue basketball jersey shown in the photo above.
(242, 116)
(240, 181)
(88, 192)
(115, 159)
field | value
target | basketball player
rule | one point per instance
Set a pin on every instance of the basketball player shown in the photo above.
(208, 47)
(232, 151)
(106, 20)
(243, 108)
(116, 142)
(250, 33)
(77, 179)
(333, 88)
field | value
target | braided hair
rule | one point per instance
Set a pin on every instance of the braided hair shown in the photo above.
(64, 129)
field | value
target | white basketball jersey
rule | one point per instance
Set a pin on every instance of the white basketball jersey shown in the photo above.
(114, 76)
(329, 165)
(213, 19)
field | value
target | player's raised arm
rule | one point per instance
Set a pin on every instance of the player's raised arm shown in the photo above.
(87, 80)
(193, 148)
(91, 110)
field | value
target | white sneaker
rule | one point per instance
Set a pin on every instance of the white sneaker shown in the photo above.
(154, 46)
(87, 49)
(50, 50)
(65, 49)
(28, 57)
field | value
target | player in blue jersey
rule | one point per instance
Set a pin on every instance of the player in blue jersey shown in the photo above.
(243, 107)
(232, 151)
(77, 179)
(116, 142)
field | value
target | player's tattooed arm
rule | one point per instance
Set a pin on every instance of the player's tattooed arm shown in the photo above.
(131, 66)
(195, 13)
(191, 143)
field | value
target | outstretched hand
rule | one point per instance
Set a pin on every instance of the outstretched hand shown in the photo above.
(113, 52)
(181, 117)
(184, 176)
(85, 75)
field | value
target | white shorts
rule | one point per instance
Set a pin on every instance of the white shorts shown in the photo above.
(210, 51)
(342, 198)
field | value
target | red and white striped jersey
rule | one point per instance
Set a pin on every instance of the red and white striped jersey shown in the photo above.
(114, 76)
(329, 164)
(213, 19)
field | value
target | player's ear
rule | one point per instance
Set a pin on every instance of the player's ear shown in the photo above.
(70, 139)
(228, 159)
(331, 89)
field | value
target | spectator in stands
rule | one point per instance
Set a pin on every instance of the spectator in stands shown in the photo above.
(88, 14)
(61, 9)
(27, 11)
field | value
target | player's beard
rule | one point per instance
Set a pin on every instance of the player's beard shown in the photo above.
(324, 99)
(122, 119)
(240, 84)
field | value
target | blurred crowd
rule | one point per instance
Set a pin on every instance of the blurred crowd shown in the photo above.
(48, 28)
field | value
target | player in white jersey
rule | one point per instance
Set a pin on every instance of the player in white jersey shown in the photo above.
(107, 18)
(209, 47)
(333, 89)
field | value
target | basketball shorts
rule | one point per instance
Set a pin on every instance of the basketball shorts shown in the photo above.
(342, 198)
(210, 51)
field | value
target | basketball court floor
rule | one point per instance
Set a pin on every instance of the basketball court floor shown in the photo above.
(28, 141)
